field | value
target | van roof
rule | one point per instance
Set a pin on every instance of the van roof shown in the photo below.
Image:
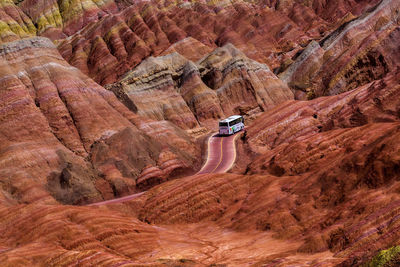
(231, 118)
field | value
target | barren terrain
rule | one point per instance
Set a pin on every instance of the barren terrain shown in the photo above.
(108, 148)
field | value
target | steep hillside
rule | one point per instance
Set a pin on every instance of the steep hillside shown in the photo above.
(317, 175)
(222, 83)
(325, 174)
(63, 133)
(108, 38)
(354, 136)
(14, 24)
(141, 30)
(360, 51)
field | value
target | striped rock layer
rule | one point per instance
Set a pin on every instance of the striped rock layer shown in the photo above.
(362, 50)
(105, 39)
(323, 173)
(222, 83)
(63, 134)
(316, 183)
(270, 32)
(55, 235)
(344, 152)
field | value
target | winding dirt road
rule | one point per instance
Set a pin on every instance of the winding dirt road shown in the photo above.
(221, 156)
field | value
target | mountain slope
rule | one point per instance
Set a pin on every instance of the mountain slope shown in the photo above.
(223, 83)
(56, 121)
(360, 51)
(316, 183)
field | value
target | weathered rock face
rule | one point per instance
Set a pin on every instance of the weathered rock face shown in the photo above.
(329, 10)
(150, 89)
(55, 121)
(222, 83)
(373, 103)
(106, 49)
(53, 19)
(240, 83)
(59, 19)
(359, 51)
(320, 166)
(108, 38)
(190, 48)
(15, 24)
(53, 234)
(317, 182)
(353, 135)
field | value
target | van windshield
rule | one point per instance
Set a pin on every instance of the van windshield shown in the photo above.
(223, 124)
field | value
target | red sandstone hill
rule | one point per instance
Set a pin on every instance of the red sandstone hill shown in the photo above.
(192, 94)
(361, 50)
(324, 173)
(316, 182)
(63, 134)
(64, 137)
(270, 32)
(104, 39)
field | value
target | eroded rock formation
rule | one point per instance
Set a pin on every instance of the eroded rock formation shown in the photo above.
(108, 38)
(330, 169)
(353, 135)
(222, 83)
(361, 50)
(316, 182)
(270, 34)
(61, 131)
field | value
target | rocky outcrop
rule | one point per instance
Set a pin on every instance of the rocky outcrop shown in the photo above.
(329, 10)
(14, 24)
(54, 123)
(361, 50)
(316, 182)
(222, 83)
(353, 135)
(107, 38)
(153, 79)
(242, 84)
(286, 192)
(107, 49)
(190, 48)
(53, 19)
(59, 19)
(372, 103)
